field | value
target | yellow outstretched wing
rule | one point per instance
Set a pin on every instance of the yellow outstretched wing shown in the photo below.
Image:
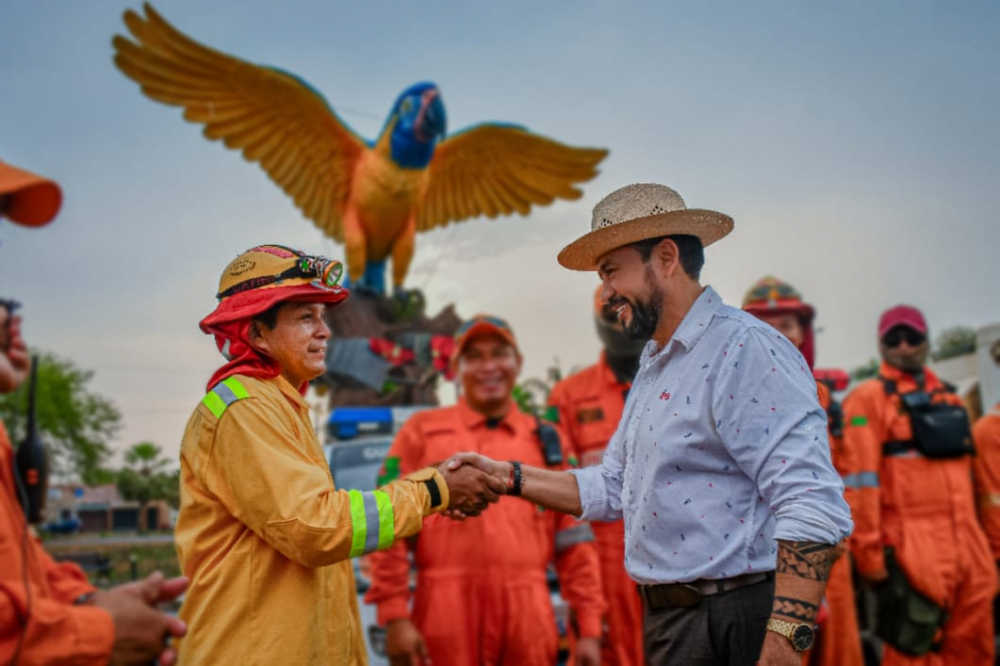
(498, 170)
(273, 117)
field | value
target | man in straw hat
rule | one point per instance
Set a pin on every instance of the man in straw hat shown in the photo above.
(720, 466)
(263, 534)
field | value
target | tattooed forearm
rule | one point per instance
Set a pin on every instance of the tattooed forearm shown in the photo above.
(795, 609)
(803, 559)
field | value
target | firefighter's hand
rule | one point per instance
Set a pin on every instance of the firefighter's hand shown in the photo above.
(588, 652)
(404, 645)
(471, 489)
(141, 630)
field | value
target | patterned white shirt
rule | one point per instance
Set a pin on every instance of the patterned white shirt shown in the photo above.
(722, 449)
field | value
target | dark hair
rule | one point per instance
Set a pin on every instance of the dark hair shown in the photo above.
(689, 250)
(269, 317)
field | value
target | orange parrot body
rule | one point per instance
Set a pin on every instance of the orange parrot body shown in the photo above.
(372, 197)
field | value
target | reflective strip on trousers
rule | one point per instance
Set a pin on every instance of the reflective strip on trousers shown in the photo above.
(862, 480)
(572, 536)
(372, 521)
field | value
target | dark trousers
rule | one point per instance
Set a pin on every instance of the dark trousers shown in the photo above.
(725, 629)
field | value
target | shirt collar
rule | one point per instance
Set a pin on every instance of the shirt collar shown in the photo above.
(290, 392)
(513, 420)
(906, 382)
(692, 326)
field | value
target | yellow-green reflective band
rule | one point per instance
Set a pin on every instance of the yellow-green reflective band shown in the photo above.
(386, 519)
(214, 403)
(358, 525)
(859, 420)
(237, 388)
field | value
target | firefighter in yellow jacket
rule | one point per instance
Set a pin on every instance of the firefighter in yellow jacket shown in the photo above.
(262, 533)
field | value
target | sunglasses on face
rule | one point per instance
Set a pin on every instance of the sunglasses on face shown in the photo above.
(896, 336)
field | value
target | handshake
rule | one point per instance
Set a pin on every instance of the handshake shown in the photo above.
(474, 482)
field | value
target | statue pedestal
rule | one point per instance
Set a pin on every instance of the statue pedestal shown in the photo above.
(382, 353)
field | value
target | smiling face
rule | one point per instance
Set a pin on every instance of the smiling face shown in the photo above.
(631, 290)
(297, 342)
(487, 371)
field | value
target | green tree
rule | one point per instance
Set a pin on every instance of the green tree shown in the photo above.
(866, 371)
(953, 342)
(74, 422)
(144, 478)
(146, 457)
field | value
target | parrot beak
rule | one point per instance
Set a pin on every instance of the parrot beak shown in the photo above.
(432, 122)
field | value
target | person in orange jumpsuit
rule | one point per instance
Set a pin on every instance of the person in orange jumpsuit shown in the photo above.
(838, 639)
(49, 612)
(588, 406)
(986, 435)
(921, 506)
(482, 595)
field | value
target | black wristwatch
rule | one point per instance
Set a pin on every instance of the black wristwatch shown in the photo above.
(514, 482)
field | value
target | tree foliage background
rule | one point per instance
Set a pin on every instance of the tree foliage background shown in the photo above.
(75, 423)
(953, 342)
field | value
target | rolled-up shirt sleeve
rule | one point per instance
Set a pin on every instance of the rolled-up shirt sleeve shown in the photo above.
(601, 485)
(768, 414)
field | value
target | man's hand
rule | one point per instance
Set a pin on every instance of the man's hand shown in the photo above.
(588, 652)
(471, 490)
(404, 645)
(778, 651)
(142, 631)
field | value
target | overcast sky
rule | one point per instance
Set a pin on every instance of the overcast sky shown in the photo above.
(856, 145)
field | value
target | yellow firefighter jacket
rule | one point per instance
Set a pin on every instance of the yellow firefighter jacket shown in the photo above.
(265, 537)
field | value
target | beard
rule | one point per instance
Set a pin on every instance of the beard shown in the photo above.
(646, 311)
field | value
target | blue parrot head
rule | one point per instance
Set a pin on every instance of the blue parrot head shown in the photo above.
(420, 122)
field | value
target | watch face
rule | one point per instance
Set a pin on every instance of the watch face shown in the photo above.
(802, 637)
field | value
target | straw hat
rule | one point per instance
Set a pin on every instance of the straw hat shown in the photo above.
(639, 212)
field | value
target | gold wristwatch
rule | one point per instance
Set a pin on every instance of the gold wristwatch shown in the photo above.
(800, 635)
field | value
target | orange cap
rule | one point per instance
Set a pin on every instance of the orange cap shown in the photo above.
(483, 324)
(29, 200)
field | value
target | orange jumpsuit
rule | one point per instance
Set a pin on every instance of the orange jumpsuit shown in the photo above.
(925, 509)
(57, 631)
(588, 405)
(986, 434)
(839, 638)
(482, 596)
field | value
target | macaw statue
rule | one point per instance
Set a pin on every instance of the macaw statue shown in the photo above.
(372, 197)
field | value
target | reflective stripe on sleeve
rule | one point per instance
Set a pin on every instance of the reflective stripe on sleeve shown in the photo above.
(573, 536)
(372, 522)
(223, 394)
(861, 480)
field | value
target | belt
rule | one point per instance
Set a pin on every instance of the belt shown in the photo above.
(688, 595)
